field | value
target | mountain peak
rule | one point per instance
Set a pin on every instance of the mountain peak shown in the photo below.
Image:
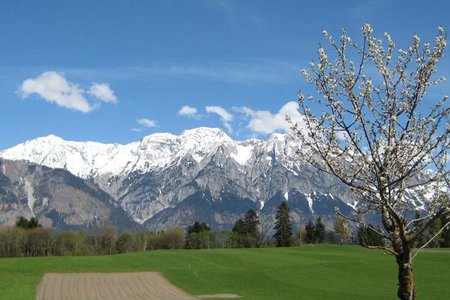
(157, 138)
(278, 136)
(51, 138)
(153, 152)
(206, 133)
(166, 171)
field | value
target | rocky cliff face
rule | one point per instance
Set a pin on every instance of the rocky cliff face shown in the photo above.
(56, 197)
(166, 180)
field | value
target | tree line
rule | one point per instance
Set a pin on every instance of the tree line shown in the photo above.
(246, 233)
(29, 238)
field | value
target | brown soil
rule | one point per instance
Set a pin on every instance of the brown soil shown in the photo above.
(114, 286)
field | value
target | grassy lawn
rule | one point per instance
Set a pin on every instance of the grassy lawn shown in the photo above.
(309, 272)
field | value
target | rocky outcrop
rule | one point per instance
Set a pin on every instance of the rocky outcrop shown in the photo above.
(163, 181)
(56, 197)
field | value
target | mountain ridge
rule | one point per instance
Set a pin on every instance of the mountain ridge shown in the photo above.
(168, 180)
(156, 150)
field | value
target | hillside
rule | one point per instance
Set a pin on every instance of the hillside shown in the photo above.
(166, 180)
(310, 272)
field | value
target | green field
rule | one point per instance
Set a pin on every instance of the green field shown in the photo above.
(309, 272)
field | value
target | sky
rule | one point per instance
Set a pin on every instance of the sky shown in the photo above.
(115, 71)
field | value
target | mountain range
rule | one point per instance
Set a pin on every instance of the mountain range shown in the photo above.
(163, 181)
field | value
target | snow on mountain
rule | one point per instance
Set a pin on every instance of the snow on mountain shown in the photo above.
(172, 179)
(168, 180)
(156, 151)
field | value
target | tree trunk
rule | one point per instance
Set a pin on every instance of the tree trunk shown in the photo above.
(406, 283)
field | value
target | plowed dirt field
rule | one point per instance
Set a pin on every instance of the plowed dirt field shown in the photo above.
(114, 286)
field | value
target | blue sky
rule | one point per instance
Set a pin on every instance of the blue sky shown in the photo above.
(115, 71)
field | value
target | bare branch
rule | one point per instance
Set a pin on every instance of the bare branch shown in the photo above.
(430, 240)
(387, 249)
(378, 133)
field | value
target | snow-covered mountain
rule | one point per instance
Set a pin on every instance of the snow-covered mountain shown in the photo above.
(91, 159)
(168, 180)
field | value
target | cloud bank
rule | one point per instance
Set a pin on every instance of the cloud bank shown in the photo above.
(54, 88)
(265, 122)
(258, 122)
(188, 111)
(225, 116)
(103, 92)
(147, 122)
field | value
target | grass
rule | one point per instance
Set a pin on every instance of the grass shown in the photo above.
(309, 272)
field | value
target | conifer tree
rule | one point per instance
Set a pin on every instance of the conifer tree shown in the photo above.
(251, 223)
(24, 223)
(198, 227)
(310, 232)
(319, 231)
(283, 226)
(198, 236)
(246, 230)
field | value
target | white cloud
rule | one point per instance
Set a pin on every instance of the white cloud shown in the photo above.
(136, 129)
(265, 122)
(103, 92)
(54, 88)
(147, 122)
(224, 115)
(188, 111)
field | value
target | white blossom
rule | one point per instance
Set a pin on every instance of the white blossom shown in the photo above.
(379, 133)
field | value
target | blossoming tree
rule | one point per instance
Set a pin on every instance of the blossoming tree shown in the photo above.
(377, 130)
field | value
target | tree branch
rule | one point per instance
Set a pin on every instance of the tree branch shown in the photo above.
(429, 241)
(390, 250)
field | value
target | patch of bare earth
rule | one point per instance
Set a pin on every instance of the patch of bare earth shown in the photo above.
(113, 286)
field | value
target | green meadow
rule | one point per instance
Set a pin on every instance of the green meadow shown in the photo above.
(309, 272)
